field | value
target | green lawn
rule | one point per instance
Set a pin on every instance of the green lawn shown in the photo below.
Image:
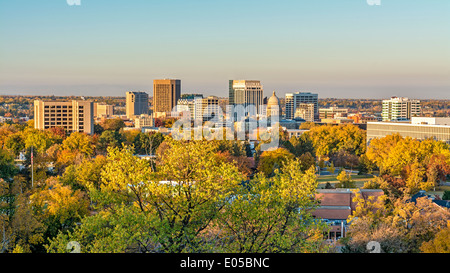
(439, 191)
(359, 180)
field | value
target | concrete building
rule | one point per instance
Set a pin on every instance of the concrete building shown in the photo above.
(136, 104)
(166, 94)
(190, 103)
(337, 120)
(103, 110)
(332, 112)
(419, 128)
(245, 93)
(200, 108)
(400, 109)
(209, 108)
(305, 111)
(74, 116)
(295, 132)
(293, 101)
(143, 121)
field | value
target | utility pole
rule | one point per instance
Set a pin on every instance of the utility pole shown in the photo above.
(32, 168)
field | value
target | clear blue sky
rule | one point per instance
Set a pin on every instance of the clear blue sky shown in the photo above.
(337, 48)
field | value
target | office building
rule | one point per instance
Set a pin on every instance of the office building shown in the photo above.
(400, 109)
(73, 116)
(166, 94)
(246, 93)
(293, 100)
(143, 121)
(209, 108)
(305, 111)
(420, 128)
(200, 108)
(136, 104)
(332, 112)
(191, 103)
(103, 110)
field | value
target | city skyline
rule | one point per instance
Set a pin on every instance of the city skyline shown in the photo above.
(337, 49)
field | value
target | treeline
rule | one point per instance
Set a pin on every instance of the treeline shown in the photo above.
(209, 196)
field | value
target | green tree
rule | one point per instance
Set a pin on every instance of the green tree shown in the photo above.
(446, 195)
(15, 143)
(7, 166)
(110, 139)
(271, 215)
(170, 207)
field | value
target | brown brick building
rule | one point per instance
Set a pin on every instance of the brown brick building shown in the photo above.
(336, 205)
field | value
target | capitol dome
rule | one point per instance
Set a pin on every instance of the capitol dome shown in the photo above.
(273, 106)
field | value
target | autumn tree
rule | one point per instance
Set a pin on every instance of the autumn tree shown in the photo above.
(272, 160)
(21, 230)
(272, 215)
(114, 124)
(345, 180)
(329, 140)
(440, 243)
(79, 142)
(401, 226)
(170, 207)
(58, 206)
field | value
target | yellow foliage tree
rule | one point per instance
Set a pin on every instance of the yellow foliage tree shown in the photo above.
(440, 243)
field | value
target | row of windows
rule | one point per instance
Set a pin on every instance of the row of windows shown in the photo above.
(57, 106)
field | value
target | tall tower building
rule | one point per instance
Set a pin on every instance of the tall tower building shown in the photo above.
(73, 116)
(293, 101)
(245, 93)
(397, 109)
(137, 104)
(166, 94)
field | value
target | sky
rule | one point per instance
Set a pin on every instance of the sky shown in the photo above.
(336, 48)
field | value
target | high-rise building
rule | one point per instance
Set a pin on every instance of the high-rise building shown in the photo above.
(400, 109)
(191, 103)
(166, 94)
(245, 93)
(136, 104)
(293, 100)
(305, 111)
(74, 116)
(209, 108)
(200, 108)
